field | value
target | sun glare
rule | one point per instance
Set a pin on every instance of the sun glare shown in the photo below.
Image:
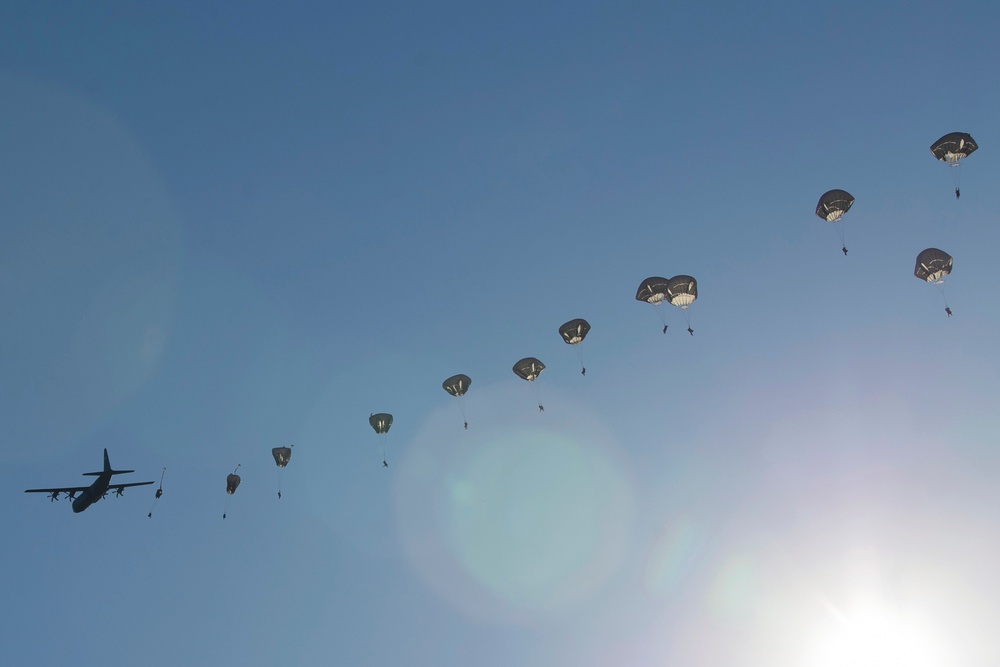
(874, 634)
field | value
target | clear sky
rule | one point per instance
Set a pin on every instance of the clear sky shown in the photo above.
(229, 228)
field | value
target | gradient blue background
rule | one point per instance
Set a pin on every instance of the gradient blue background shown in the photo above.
(228, 228)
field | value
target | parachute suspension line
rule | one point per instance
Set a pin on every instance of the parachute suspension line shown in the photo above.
(955, 179)
(839, 226)
(385, 461)
(461, 406)
(538, 395)
(663, 318)
(947, 308)
(687, 319)
(159, 492)
(579, 355)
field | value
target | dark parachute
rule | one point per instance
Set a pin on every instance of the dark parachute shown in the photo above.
(381, 423)
(832, 206)
(232, 482)
(529, 369)
(951, 148)
(682, 291)
(573, 333)
(282, 455)
(653, 290)
(954, 146)
(932, 266)
(457, 385)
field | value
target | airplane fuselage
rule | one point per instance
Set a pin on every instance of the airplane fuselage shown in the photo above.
(93, 493)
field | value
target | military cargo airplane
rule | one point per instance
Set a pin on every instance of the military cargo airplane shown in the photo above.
(91, 494)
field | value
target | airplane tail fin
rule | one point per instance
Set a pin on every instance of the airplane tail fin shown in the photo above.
(107, 468)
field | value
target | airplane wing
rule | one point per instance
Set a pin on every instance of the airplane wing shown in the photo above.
(63, 489)
(78, 489)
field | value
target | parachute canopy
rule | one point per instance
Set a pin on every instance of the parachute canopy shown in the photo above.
(953, 147)
(282, 455)
(457, 385)
(574, 331)
(232, 481)
(834, 204)
(381, 422)
(528, 368)
(652, 290)
(682, 291)
(933, 265)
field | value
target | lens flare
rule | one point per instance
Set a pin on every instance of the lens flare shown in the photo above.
(514, 522)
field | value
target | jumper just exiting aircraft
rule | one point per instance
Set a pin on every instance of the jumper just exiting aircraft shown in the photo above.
(91, 494)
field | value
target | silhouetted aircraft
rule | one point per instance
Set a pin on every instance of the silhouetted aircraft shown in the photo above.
(91, 494)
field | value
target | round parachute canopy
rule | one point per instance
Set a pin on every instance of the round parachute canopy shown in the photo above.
(528, 368)
(682, 291)
(574, 331)
(381, 422)
(457, 385)
(953, 147)
(232, 481)
(933, 265)
(652, 290)
(282, 455)
(834, 204)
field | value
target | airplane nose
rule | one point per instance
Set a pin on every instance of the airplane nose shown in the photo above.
(78, 506)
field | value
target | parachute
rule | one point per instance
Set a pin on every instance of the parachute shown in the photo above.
(951, 148)
(529, 369)
(282, 455)
(381, 423)
(653, 290)
(232, 482)
(457, 385)
(932, 266)
(159, 492)
(832, 206)
(573, 333)
(682, 291)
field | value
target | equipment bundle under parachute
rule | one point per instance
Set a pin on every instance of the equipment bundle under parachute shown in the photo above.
(457, 385)
(573, 333)
(932, 266)
(832, 206)
(951, 148)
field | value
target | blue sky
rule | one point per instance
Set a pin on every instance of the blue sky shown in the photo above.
(229, 230)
